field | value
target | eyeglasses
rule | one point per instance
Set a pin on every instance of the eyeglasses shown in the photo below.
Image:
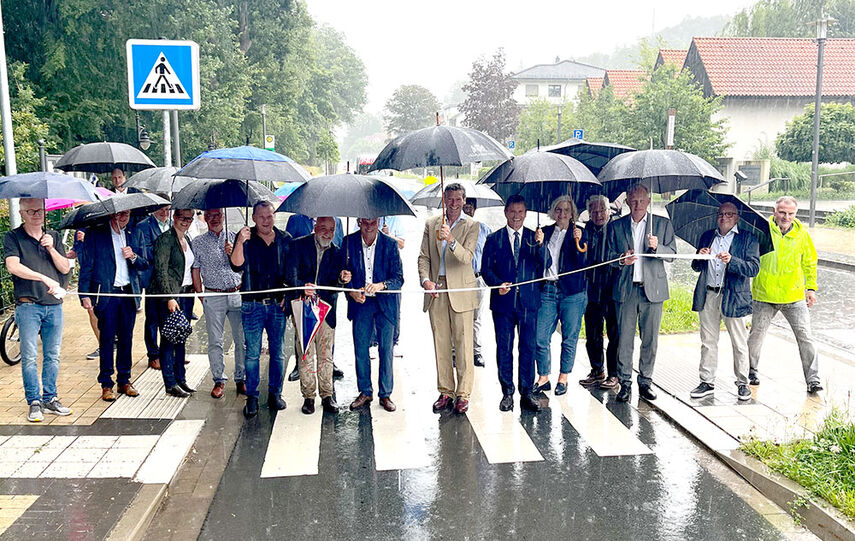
(34, 212)
(727, 214)
(185, 219)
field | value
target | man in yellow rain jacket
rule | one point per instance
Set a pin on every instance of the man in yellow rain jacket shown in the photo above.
(786, 283)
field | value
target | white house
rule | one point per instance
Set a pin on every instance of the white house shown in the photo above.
(558, 82)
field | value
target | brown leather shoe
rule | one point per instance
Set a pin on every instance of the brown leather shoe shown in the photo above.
(461, 406)
(107, 394)
(217, 391)
(387, 404)
(361, 400)
(443, 402)
(610, 383)
(154, 364)
(128, 389)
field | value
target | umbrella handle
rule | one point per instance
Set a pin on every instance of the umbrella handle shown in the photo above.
(442, 191)
(584, 246)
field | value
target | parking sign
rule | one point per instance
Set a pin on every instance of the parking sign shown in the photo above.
(578, 134)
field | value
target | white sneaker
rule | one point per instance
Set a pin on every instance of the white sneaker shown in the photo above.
(55, 407)
(35, 415)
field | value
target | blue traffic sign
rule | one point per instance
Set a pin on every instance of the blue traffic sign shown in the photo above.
(578, 134)
(163, 74)
(512, 144)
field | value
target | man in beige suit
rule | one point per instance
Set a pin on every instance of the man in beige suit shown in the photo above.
(445, 262)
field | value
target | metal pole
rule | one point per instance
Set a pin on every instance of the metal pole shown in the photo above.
(263, 126)
(167, 142)
(814, 170)
(8, 137)
(42, 155)
(559, 125)
(176, 138)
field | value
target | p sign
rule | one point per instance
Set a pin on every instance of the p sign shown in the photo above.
(163, 74)
(512, 144)
(578, 134)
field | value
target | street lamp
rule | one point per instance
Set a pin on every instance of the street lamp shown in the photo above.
(143, 138)
(821, 26)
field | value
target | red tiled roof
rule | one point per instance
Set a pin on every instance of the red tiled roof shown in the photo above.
(624, 83)
(595, 84)
(773, 66)
(672, 56)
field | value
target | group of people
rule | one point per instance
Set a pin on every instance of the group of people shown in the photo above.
(611, 274)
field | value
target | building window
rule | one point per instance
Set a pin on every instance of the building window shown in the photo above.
(554, 91)
(531, 91)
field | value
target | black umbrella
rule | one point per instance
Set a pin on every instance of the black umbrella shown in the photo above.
(103, 158)
(696, 212)
(44, 185)
(158, 180)
(595, 156)
(208, 194)
(353, 196)
(431, 195)
(660, 170)
(100, 212)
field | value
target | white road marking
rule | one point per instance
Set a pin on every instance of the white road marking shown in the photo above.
(169, 453)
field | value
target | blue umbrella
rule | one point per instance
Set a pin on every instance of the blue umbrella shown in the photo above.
(44, 185)
(245, 163)
(287, 189)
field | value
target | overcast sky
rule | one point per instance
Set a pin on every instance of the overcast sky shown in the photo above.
(433, 43)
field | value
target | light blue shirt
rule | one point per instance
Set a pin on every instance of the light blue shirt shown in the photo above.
(716, 267)
(483, 231)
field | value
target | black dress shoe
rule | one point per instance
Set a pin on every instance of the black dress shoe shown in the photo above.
(529, 403)
(560, 389)
(295, 374)
(308, 406)
(275, 402)
(251, 407)
(625, 393)
(337, 373)
(507, 403)
(240, 387)
(479, 361)
(186, 388)
(753, 379)
(177, 391)
(645, 392)
(329, 405)
(542, 388)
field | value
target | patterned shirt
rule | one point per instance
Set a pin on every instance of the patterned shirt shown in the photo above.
(716, 267)
(209, 251)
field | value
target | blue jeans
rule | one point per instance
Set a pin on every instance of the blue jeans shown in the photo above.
(256, 318)
(371, 318)
(33, 319)
(569, 309)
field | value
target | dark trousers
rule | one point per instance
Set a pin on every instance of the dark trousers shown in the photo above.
(372, 320)
(597, 314)
(150, 330)
(523, 322)
(172, 355)
(116, 318)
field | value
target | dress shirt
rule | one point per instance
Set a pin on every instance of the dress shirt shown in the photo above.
(122, 277)
(445, 245)
(639, 234)
(368, 259)
(209, 256)
(164, 225)
(511, 237)
(483, 231)
(188, 267)
(319, 252)
(716, 267)
(554, 247)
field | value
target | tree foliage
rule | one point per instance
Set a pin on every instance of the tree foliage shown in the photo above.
(27, 128)
(539, 124)
(489, 105)
(411, 107)
(792, 18)
(836, 135)
(252, 52)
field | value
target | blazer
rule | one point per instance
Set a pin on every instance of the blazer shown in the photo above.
(149, 231)
(168, 264)
(602, 279)
(569, 258)
(744, 265)
(458, 262)
(303, 267)
(498, 266)
(387, 268)
(655, 279)
(98, 266)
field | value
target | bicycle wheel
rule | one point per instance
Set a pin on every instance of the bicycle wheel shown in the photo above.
(10, 342)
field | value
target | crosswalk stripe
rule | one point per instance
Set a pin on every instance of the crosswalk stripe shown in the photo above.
(399, 442)
(500, 434)
(600, 429)
(168, 454)
(295, 442)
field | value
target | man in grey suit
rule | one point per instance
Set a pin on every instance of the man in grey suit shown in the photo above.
(642, 287)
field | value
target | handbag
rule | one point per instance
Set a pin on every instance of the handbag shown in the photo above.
(176, 328)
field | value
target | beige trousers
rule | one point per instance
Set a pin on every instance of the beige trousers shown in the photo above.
(710, 323)
(450, 327)
(317, 368)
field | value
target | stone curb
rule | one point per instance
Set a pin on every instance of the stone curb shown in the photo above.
(826, 261)
(139, 514)
(820, 518)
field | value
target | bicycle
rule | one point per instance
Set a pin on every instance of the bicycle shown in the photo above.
(10, 342)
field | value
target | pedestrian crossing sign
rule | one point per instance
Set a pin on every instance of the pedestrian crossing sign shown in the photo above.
(163, 74)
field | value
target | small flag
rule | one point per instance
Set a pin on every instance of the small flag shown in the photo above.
(309, 313)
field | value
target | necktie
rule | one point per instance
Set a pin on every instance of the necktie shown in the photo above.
(516, 246)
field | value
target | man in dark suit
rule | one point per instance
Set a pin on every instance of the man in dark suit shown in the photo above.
(723, 291)
(150, 229)
(375, 265)
(113, 257)
(514, 254)
(315, 262)
(641, 288)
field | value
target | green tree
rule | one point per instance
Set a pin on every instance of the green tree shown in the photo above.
(411, 107)
(602, 117)
(792, 18)
(489, 105)
(538, 124)
(27, 127)
(836, 135)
